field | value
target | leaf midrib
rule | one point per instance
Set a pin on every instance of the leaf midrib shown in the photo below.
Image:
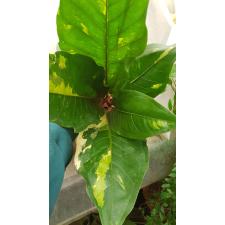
(75, 96)
(145, 117)
(106, 43)
(110, 146)
(142, 74)
(146, 70)
(111, 177)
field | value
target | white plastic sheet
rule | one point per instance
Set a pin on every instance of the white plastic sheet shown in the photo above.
(161, 27)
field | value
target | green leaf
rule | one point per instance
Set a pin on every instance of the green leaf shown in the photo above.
(149, 73)
(170, 104)
(138, 116)
(77, 74)
(108, 31)
(73, 81)
(73, 111)
(173, 72)
(113, 168)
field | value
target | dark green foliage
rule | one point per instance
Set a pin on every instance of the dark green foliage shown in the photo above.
(164, 203)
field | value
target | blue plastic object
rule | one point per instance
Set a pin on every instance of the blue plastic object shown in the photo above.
(60, 153)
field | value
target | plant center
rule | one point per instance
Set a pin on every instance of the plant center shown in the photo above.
(107, 103)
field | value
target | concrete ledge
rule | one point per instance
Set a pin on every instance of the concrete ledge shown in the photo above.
(73, 202)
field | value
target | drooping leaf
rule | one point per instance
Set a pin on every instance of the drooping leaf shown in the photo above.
(73, 81)
(149, 73)
(138, 116)
(108, 31)
(113, 168)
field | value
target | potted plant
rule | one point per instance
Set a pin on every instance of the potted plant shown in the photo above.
(102, 84)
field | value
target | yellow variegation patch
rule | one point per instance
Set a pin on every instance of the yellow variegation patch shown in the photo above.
(104, 163)
(156, 86)
(67, 26)
(57, 86)
(121, 41)
(81, 141)
(102, 6)
(84, 28)
(86, 148)
(62, 62)
(72, 51)
(164, 54)
(100, 184)
(121, 183)
(159, 124)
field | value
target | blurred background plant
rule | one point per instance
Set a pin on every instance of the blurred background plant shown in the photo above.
(172, 82)
(163, 203)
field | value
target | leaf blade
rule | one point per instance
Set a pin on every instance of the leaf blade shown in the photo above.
(149, 73)
(74, 75)
(72, 111)
(138, 116)
(73, 84)
(115, 32)
(113, 168)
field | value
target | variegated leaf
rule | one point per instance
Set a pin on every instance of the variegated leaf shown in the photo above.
(148, 73)
(108, 31)
(138, 116)
(73, 83)
(113, 168)
(76, 74)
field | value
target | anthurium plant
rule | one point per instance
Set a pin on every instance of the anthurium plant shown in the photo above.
(102, 83)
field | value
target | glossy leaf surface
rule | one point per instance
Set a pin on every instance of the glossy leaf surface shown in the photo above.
(73, 81)
(149, 73)
(108, 31)
(113, 168)
(138, 116)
